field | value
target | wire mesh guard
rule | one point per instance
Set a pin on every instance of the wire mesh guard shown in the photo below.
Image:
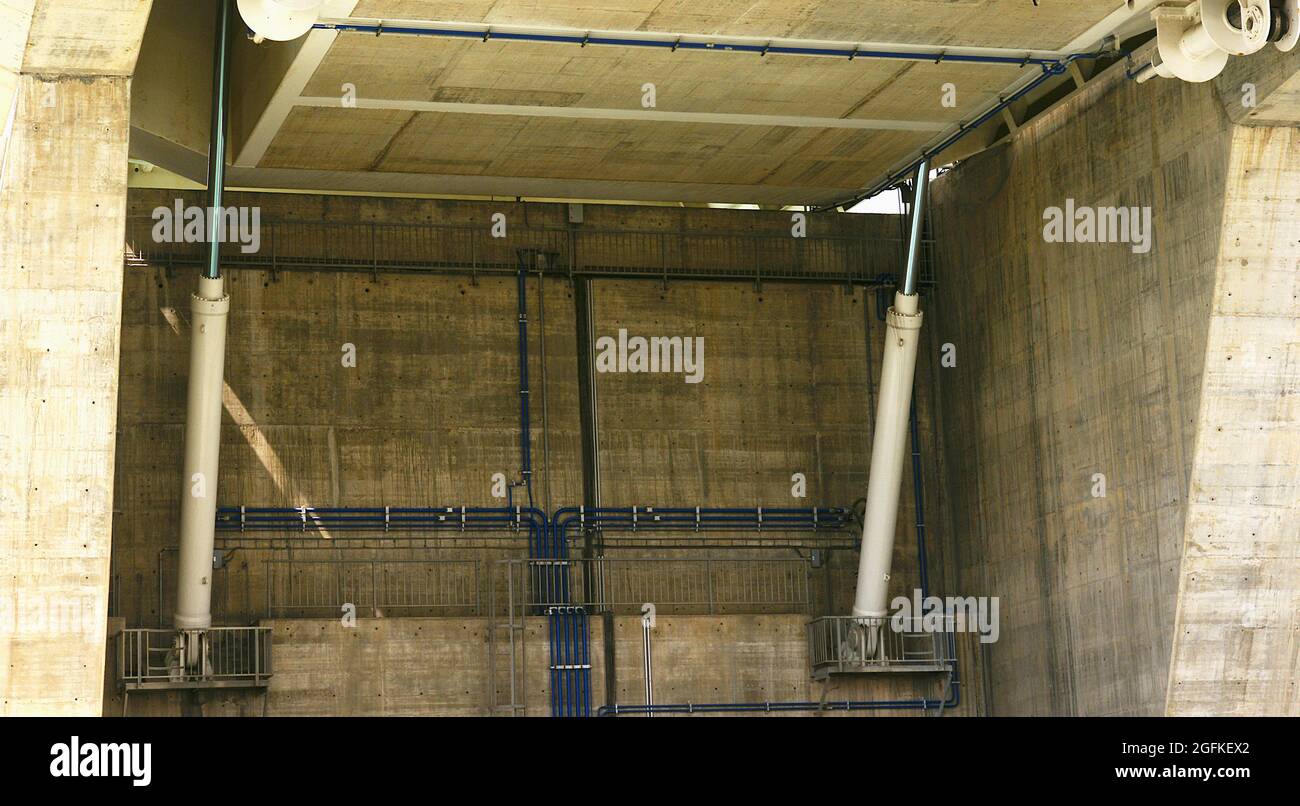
(847, 645)
(321, 587)
(682, 586)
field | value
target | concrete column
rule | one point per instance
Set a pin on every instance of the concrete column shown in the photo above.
(62, 212)
(65, 77)
(1236, 649)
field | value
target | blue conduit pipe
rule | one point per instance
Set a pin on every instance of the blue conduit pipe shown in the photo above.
(338, 522)
(548, 538)
(696, 519)
(696, 44)
(382, 519)
(570, 661)
(555, 575)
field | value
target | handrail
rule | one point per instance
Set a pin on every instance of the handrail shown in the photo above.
(214, 657)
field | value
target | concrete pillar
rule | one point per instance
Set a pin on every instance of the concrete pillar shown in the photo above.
(62, 209)
(62, 215)
(1236, 649)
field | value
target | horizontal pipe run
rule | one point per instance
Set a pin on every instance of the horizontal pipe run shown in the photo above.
(703, 44)
(643, 517)
(638, 519)
(547, 537)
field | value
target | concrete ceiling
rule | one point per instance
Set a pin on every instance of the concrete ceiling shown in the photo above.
(470, 117)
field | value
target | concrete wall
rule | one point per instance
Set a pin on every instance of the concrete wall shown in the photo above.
(1082, 359)
(1075, 360)
(431, 410)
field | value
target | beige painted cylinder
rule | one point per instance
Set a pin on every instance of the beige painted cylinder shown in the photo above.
(888, 451)
(209, 307)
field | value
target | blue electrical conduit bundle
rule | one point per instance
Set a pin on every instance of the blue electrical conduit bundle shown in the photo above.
(570, 661)
(697, 519)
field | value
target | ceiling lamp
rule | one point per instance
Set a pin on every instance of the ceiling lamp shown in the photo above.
(279, 20)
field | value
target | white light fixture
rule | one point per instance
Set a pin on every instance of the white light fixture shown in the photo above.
(280, 20)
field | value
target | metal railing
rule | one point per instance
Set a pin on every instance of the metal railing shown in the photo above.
(675, 586)
(847, 645)
(218, 657)
(377, 587)
(463, 248)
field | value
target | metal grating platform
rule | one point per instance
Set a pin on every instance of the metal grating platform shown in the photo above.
(846, 645)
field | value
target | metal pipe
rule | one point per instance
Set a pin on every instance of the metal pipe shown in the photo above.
(889, 443)
(209, 308)
(217, 133)
(918, 216)
(918, 53)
